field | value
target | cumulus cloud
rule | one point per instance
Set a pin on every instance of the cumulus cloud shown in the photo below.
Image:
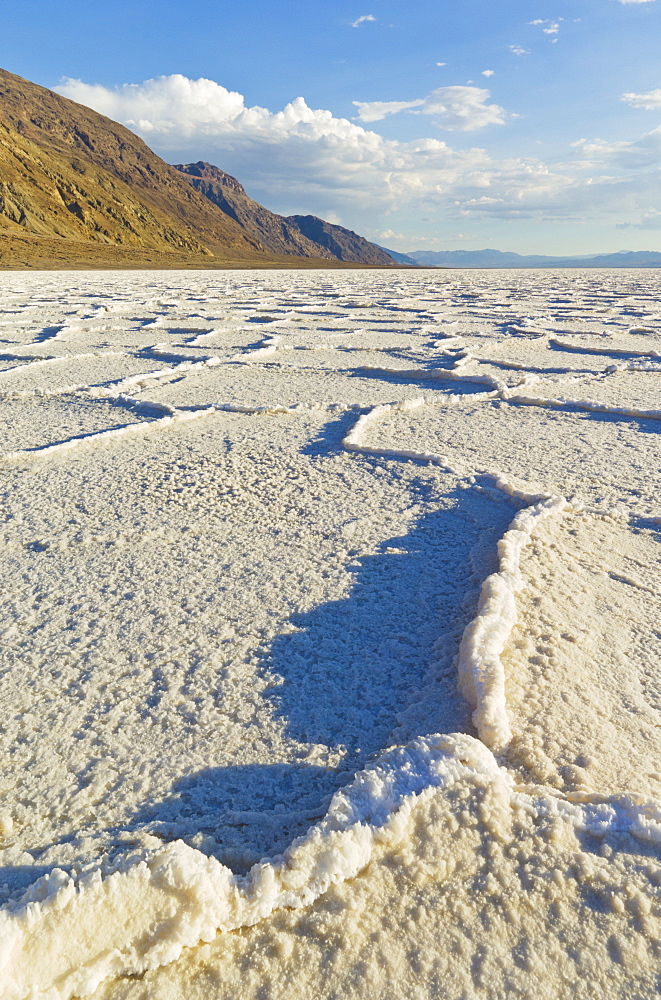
(302, 159)
(518, 50)
(635, 1)
(457, 109)
(651, 101)
(361, 20)
(487, 72)
(462, 109)
(641, 153)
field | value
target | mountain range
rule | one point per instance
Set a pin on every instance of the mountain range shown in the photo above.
(499, 258)
(80, 190)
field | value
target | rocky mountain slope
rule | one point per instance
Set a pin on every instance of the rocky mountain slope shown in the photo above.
(273, 231)
(53, 195)
(402, 258)
(70, 174)
(342, 243)
(303, 235)
(72, 139)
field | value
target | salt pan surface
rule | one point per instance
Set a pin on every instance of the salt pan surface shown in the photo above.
(330, 618)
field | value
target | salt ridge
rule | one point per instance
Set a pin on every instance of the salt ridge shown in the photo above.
(186, 897)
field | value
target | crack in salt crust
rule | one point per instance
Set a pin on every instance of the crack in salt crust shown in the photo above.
(149, 904)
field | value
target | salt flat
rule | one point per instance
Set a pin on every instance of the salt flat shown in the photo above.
(330, 612)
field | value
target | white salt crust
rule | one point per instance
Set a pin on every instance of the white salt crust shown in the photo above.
(67, 935)
(147, 912)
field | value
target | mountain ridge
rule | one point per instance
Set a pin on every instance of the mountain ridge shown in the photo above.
(66, 197)
(342, 243)
(68, 131)
(509, 259)
(68, 173)
(307, 235)
(229, 195)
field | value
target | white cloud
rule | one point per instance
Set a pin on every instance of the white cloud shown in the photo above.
(642, 153)
(635, 1)
(385, 235)
(405, 242)
(376, 111)
(361, 20)
(487, 72)
(457, 109)
(462, 109)
(650, 101)
(518, 50)
(302, 159)
(548, 25)
(441, 64)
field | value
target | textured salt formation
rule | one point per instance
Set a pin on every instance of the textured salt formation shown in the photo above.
(628, 381)
(601, 457)
(456, 908)
(584, 656)
(244, 555)
(27, 422)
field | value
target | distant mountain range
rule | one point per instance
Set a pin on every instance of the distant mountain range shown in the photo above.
(79, 190)
(499, 258)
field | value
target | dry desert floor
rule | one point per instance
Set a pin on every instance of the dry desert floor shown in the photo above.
(330, 616)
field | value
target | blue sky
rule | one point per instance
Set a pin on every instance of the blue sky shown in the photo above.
(527, 125)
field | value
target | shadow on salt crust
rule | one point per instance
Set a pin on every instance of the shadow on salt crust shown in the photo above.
(269, 384)
(418, 587)
(227, 726)
(460, 909)
(355, 675)
(597, 456)
(486, 895)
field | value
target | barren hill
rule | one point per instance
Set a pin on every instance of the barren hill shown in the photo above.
(274, 232)
(340, 242)
(305, 236)
(73, 135)
(70, 174)
(48, 194)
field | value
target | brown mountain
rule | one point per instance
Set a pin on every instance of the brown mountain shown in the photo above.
(303, 235)
(47, 194)
(342, 243)
(72, 138)
(76, 186)
(273, 231)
